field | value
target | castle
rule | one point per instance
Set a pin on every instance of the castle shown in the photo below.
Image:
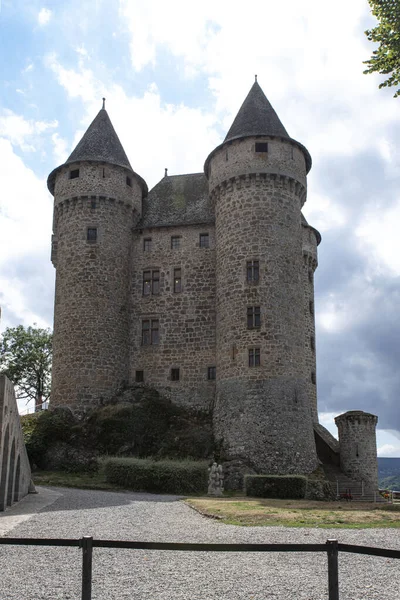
(202, 287)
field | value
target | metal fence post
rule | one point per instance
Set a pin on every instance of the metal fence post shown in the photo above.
(333, 569)
(87, 555)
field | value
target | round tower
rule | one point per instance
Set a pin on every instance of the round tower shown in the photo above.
(257, 180)
(97, 199)
(357, 442)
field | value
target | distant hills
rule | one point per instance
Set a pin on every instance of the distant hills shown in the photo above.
(389, 473)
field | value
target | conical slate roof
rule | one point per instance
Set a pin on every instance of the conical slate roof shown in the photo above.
(101, 143)
(256, 117)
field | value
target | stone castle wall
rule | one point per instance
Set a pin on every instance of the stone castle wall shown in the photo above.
(91, 317)
(186, 318)
(15, 472)
(358, 453)
(310, 262)
(262, 413)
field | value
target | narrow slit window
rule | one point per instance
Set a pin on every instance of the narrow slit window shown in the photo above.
(313, 378)
(91, 234)
(74, 174)
(261, 146)
(312, 343)
(129, 181)
(211, 373)
(311, 306)
(139, 376)
(177, 280)
(175, 374)
(254, 357)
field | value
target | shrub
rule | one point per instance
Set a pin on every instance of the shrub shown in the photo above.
(276, 486)
(319, 490)
(164, 476)
(64, 457)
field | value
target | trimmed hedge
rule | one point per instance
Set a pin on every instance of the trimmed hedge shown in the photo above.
(276, 486)
(319, 490)
(164, 476)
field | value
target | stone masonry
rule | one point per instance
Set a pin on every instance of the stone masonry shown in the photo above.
(202, 288)
(15, 472)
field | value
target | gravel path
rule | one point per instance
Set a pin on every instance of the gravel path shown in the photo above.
(37, 573)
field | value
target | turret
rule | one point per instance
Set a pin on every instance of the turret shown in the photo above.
(357, 440)
(257, 180)
(97, 200)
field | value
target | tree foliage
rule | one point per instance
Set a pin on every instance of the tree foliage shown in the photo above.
(386, 58)
(25, 357)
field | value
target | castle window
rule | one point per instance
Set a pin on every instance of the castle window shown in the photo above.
(261, 146)
(139, 376)
(74, 174)
(147, 244)
(175, 242)
(177, 280)
(129, 181)
(311, 307)
(91, 234)
(93, 202)
(253, 317)
(103, 173)
(151, 282)
(211, 373)
(313, 378)
(150, 332)
(253, 271)
(204, 240)
(174, 374)
(254, 357)
(312, 343)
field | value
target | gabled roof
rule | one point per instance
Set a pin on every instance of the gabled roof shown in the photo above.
(256, 117)
(100, 143)
(177, 200)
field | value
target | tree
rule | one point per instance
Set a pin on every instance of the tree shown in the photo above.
(386, 58)
(25, 357)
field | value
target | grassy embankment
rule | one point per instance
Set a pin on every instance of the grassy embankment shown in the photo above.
(298, 513)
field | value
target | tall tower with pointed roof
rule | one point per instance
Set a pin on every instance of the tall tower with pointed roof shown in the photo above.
(257, 181)
(97, 200)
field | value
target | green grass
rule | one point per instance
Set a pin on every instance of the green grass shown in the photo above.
(298, 513)
(84, 481)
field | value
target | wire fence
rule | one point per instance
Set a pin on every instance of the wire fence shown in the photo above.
(331, 548)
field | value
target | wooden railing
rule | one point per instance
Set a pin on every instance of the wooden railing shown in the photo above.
(87, 543)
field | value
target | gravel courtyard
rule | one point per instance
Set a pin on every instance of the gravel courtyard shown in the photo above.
(38, 573)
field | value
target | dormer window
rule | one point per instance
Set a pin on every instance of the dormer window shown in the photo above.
(261, 146)
(74, 174)
(129, 181)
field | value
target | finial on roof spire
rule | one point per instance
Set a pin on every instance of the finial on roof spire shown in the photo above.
(256, 78)
(166, 172)
(104, 103)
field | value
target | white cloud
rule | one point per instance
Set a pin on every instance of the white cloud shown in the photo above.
(389, 450)
(44, 16)
(60, 148)
(25, 224)
(21, 132)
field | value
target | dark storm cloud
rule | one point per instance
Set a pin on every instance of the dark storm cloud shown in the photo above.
(359, 356)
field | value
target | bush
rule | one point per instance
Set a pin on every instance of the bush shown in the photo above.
(319, 490)
(63, 457)
(164, 476)
(276, 486)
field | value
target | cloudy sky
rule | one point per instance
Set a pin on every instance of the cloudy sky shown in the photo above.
(175, 74)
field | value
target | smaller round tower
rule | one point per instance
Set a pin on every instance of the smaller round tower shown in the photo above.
(357, 440)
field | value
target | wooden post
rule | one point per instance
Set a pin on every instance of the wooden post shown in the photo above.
(87, 555)
(333, 569)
